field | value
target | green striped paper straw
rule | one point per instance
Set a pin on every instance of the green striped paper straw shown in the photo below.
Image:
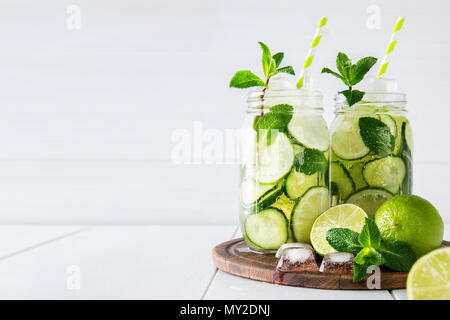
(391, 47)
(311, 52)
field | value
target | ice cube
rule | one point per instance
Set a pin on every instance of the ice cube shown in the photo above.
(339, 262)
(281, 82)
(291, 245)
(298, 259)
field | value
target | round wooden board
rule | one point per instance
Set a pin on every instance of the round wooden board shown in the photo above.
(234, 257)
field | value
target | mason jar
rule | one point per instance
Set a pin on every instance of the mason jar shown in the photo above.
(283, 168)
(371, 151)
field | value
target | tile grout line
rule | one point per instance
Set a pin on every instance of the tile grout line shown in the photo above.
(215, 270)
(44, 243)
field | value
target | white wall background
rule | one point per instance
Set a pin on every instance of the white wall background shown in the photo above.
(86, 116)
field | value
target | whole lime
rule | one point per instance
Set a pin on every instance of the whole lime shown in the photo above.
(413, 220)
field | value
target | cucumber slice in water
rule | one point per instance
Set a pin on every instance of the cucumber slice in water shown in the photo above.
(341, 178)
(369, 200)
(310, 131)
(252, 191)
(346, 140)
(264, 200)
(355, 170)
(275, 160)
(390, 122)
(305, 212)
(407, 132)
(297, 183)
(399, 144)
(387, 173)
(267, 229)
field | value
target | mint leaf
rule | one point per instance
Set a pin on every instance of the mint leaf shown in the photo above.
(343, 64)
(285, 110)
(266, 59)
(360, 69)
(398, 255)
(352, 96)
(344, 240)
(246, 79)
(270, 123)
(287, 69)
(370, 235)
(310, 161)
(278, 57)
(360, 271)
(369, 256)
(376, 136)
(255, 121)
(337, 75)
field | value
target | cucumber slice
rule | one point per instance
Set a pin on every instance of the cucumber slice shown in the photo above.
(305, 212)
(399, 144)
(252, 191)
(267, 229)
(390, 122)
(346, 140)
(264, 200)
(387, 173)
(310, 131)
(355, 170)
(342, 179)
(370, 200)
(297, 183)
(407, 135)
(275, 160)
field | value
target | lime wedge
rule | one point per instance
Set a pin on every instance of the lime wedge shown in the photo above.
(429, 278)
(308, 208)
(342, 216)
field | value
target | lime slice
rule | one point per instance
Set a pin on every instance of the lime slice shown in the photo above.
(429, 278)
(274, 160)
(342, 216)
(370, 200)
(309, 207)
(310, 131)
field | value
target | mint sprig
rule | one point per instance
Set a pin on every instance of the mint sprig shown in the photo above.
(351, 74)
(268, 125)
(310, 161)
(376, 136)
(369, 249)
(270, 65)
